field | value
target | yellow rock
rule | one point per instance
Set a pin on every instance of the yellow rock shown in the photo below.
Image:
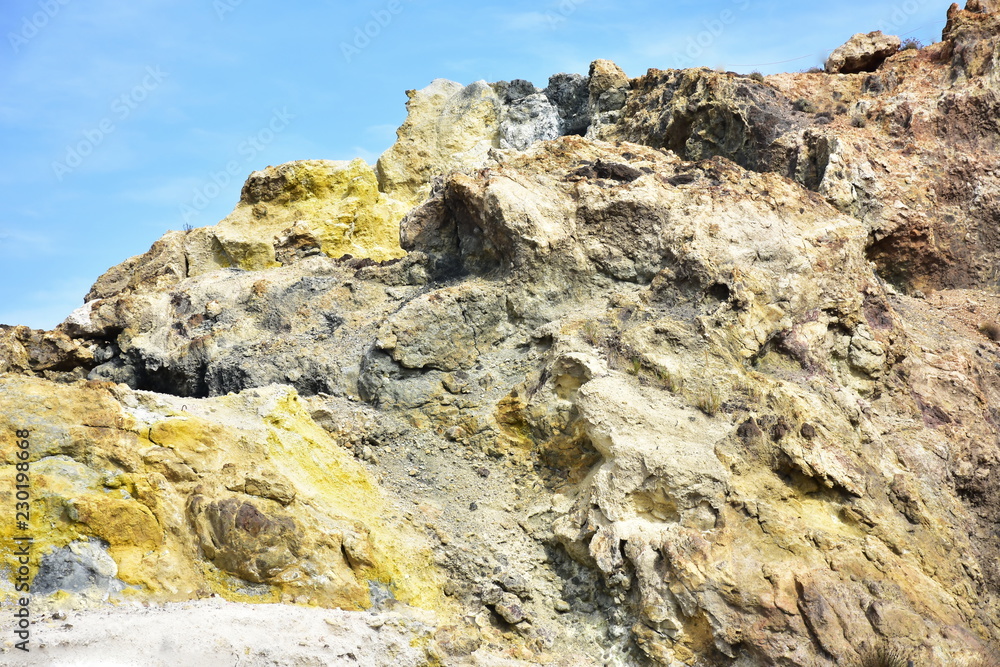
(241, 495)
(448, 126)
(333, 207)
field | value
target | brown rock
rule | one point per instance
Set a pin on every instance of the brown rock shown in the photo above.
(983, 6)
(50, 354)
(862, 53)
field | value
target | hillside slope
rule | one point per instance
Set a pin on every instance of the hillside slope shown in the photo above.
(691, 368)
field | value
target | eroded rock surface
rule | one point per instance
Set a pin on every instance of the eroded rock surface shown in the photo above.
(691, 368)
(140, 487)
(862, 53)
(295, 210)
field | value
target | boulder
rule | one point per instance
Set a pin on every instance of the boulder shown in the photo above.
(983, 6)
(322, 206)
(862, 53)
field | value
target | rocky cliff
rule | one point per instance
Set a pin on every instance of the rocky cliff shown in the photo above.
(692, 368)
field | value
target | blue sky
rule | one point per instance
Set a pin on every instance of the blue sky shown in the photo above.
(120, 121)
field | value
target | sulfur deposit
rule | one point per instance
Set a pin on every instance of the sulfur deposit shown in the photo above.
(684, 369)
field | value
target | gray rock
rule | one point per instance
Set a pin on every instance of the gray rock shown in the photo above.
(527, 120)
(570, 94)
(79, 567)
(512, 91)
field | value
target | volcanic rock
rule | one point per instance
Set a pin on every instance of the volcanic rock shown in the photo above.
(693, 368)
(862, 53)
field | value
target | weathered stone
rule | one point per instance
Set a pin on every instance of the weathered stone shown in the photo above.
(609, 88)
(529, 120)
(51, 354)
(163, 264)
(650, 398)
(448, 126)
(95, 478)
(79, 567)
(982, 6)
(699, 113)
(507, 605)
(862, 53)
(238, 538)
(571, 96)
(337, 204)
(605, 76)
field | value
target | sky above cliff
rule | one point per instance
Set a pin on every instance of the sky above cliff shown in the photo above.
(120, 121)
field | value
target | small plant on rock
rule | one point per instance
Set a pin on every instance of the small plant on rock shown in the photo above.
(710, 402)
(591, 333)
(757, 76)
(672, 382)
(911, 43)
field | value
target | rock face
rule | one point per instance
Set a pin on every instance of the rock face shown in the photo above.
(309, 207)
(50, 354)
(132, 489)
(303, 208)
(862, 53)
(451, 127)
(846, 137)
(983, 6)
(655, 374)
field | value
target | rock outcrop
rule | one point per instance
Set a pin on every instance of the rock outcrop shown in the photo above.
(862, 53)
(299, 209)
(451, 127)
(244, 496)
(691, 368)
(848, 137)
(50, 354)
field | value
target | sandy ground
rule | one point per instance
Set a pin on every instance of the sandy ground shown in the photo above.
(215, 632)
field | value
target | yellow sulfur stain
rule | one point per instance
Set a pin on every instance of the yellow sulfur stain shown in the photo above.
(332, 480)
(130, 483)
(337, 206)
